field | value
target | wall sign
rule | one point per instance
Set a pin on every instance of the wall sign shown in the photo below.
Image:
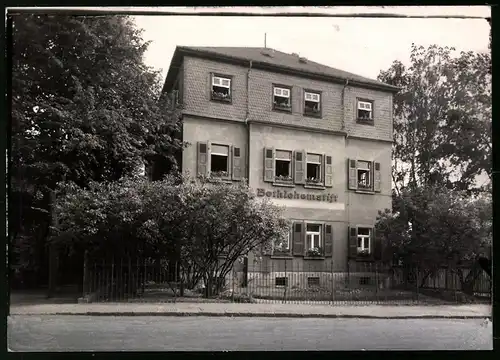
(278, 194)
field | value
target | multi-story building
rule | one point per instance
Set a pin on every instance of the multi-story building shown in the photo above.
(310, 137)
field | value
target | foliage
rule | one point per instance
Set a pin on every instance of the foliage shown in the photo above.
(205, 226)
(442, 118)
(84, 108)
(434, 227)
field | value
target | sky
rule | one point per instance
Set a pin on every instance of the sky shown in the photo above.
(363, 46)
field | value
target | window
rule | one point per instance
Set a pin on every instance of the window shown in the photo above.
(365, 110)
(313, 237)
(364, 235)
(365, 280)
(313, 168)
(364, 174)
(219, 160)
(312, 281)
(283, 245)
(312, 103)
(221, 88)
(283, 166)
(282, 98)
(281, 281)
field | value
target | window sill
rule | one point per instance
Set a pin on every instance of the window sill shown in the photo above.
(367, 191)
(312, 186)
(282, 256)
(282, 109)
(314, 257)
(313, 115)
(217, 179)
(221, 100)
(284, 184)
(365, 121)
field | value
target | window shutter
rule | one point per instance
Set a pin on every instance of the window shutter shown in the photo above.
(298, 238)
(328, 240)
(237, 172)
(353, 242)
(327, 161)
(376, 177)
(203, 158)
(353, 176)
(300, 167)
(269, 164)
(377, 245)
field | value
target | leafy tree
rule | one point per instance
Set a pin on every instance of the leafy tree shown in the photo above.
(442, 118)
(84, 108)
(204, 226)
(434, 227)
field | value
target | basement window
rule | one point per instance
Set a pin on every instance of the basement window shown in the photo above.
(312, 281)
(281, 281)
(282, 98)
(221, 88)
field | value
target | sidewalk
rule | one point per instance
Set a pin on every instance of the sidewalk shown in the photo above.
(257, 310)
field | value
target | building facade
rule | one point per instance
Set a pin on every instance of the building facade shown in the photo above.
(312, 138)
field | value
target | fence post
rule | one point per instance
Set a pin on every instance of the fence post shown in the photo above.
(286, 285)
(85, 273)
(333, 282)
(376, 282)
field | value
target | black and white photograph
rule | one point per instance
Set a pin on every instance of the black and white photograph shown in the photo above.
(249, 178)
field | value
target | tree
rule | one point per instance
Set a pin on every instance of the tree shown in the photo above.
(226, 223)
(204, 226)
(84, 108)
(442, 118)
(434, 227)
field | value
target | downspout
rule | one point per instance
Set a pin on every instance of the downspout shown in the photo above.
(247, 162)
(247, 124)
(343, 104)
(348, 193)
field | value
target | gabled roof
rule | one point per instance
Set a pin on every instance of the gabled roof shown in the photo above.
(276, 59)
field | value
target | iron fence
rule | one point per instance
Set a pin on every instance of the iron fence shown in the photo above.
(279, 281)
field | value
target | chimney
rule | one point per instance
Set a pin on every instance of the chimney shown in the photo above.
(295, 54)
(267, 52)
(303, 60)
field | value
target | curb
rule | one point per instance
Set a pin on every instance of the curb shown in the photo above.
(264, 315)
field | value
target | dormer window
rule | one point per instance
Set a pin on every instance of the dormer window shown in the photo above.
(312, 103)
(221, 88)
(365, 110)
(282, 98)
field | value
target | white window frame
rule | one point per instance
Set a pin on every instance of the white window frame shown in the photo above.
(276, 159)
(370, 170)
(312, 233)
(320, 163)
(278, 91)
(366, 106)
(220, 82)
(311, 97)
(363, 239)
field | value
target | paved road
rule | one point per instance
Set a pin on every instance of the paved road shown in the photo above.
(103, 333)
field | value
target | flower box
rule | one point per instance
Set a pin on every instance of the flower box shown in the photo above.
(315, 252)
(313, 181)
(219, 174)
(286, 107)
(285, 179)
(220, 96)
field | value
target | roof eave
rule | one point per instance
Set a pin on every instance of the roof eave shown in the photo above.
(181, 51)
